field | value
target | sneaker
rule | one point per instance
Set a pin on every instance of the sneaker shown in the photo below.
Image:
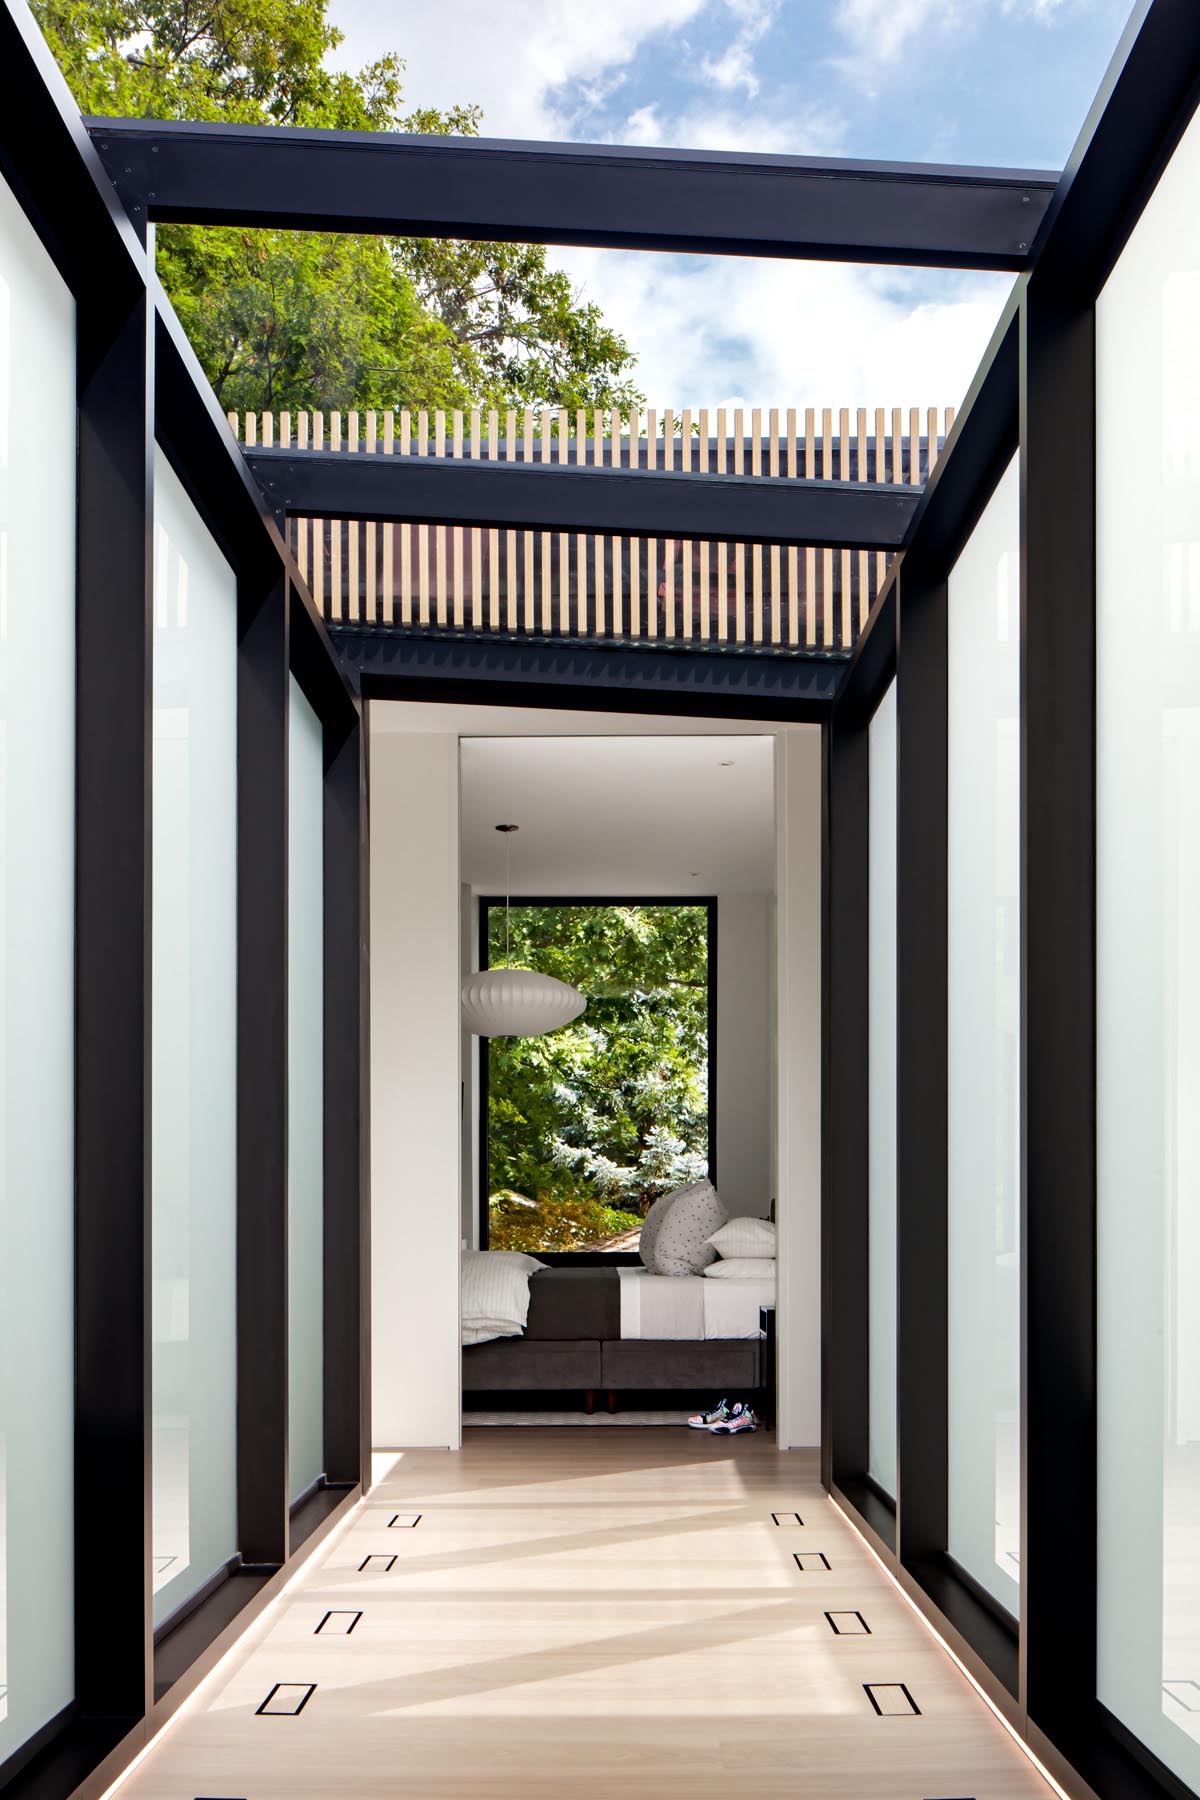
(710, 1420)
(740, 1419)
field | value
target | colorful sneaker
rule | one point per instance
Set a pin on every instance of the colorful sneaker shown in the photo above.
(710, 1420)
(740, 1419)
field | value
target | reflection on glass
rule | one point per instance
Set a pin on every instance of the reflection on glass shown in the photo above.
(1148, 972)
(194, 1048)
(881, 1079)
(984, 1048)
(306, 1093)
(37, 961)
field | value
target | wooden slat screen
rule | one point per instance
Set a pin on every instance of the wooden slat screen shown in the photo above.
(372, 576)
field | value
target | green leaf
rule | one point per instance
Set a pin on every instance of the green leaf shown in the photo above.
(291, 320)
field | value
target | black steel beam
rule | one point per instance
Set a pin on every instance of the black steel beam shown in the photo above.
(703, 202)
(48, 160)
(440, 490)
(1142, 109)
(589, 677)
(982, 442)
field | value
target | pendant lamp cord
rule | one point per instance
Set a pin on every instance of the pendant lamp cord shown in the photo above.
(507, 831)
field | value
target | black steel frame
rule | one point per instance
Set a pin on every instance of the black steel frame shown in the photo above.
(633, 502)
(138, 381)
(485, 904)
(1036, 393)
(589, 677)
(1036, 390)
(675, 200)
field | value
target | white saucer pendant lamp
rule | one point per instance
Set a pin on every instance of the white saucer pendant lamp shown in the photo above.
(517, 1002)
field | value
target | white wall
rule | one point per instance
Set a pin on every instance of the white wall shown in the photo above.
(745, 1165)
(415, 1076)
(798, 780)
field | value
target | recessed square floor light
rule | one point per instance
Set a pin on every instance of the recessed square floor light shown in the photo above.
(891, 1699)
(286, 1700)
(848, 1624)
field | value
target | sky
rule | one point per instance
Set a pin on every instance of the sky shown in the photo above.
(1003, 83)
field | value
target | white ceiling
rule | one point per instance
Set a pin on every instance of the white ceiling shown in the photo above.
(537, 721)
(620, 814)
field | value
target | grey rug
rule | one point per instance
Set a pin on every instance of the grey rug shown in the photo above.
(575, 1418)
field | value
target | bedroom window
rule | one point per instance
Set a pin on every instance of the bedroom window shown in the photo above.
(583, 1129)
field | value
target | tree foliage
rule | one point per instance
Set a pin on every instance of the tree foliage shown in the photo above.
(291, 319)
(588, 1125)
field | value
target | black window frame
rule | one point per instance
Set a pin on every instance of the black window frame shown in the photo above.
(484, 903)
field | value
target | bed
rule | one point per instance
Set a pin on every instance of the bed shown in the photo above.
(622, 1329)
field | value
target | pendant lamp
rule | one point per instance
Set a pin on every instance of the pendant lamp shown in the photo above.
(516, 1002)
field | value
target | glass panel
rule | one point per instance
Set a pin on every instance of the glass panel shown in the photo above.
(881, 1078)
(984, 1048)
(195, 1048)
(306, 1093)
(1148, 972)
(37, 996)
(589, 1124)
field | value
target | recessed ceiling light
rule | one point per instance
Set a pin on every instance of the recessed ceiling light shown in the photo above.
(725, 765)
(693, 871)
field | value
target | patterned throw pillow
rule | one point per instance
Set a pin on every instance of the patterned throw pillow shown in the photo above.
(653, 1223)
(677, 1240)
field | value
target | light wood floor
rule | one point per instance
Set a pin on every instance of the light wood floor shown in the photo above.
(586, 1615)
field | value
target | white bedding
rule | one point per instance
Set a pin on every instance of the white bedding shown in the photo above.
(689, 1307)
(495, 1294)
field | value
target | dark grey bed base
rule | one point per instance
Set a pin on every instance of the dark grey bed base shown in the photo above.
(583, 1365)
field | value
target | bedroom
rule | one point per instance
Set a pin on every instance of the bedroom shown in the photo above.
(715, 827)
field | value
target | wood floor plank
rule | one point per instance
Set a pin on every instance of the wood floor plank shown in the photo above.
(589, 1615)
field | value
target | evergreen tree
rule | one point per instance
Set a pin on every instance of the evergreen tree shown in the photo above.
(587, 1126)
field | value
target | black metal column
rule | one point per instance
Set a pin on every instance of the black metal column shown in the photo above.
(113, 1646)
(846, 1175)
(347, 1128)
(1058, 1010)
(921, 1122)
(262, 1077)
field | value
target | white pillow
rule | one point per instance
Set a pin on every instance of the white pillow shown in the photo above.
(529, 1264)
(744, 1268)
(745, 1237)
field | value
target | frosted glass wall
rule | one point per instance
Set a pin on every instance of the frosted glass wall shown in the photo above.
(983, 1021)
(194, 1113)
(1148, 972)
(881, 1080)
(306, 1093)
(37, 921)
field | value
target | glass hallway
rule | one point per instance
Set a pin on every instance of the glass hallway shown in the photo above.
(587, 1613)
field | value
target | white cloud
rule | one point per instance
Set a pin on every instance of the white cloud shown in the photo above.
(734, 69)
(813, 131)
(509, 58)
(880, 30)
(733, 331)
(724, 331)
